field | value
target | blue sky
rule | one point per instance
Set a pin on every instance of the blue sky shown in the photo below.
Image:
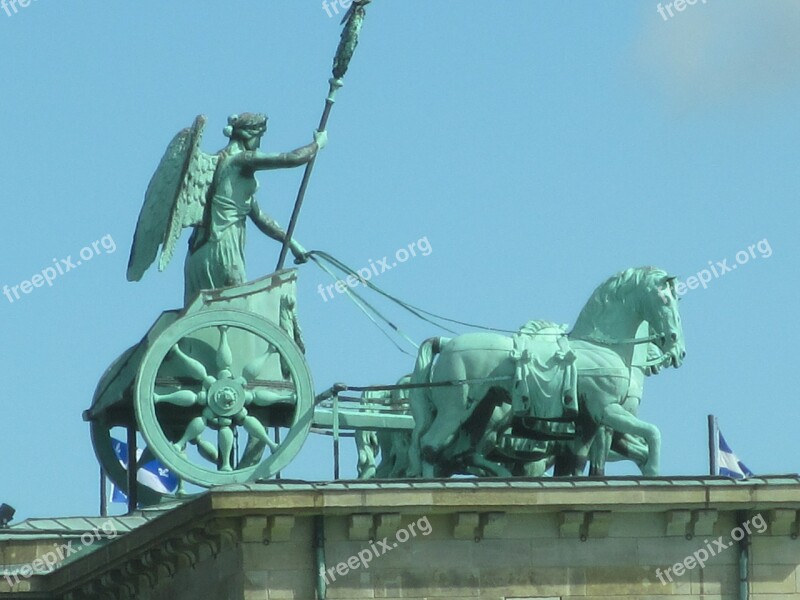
(539, 147)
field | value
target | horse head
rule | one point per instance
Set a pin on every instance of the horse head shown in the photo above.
(619, 306)
(659, 307)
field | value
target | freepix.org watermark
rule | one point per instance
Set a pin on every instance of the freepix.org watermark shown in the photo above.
(12, 6)
(718, 268)
(48, 561)
(376, 549)
(60, 266)
(679, 5)
(713, 548)
(376, 268)
(332, 6)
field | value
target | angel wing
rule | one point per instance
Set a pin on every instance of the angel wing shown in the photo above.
(175, 198)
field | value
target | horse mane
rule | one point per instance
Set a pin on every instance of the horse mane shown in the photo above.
(617, 289)
(534, 327)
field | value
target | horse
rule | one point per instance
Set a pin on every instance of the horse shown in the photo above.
(533, 457)
(525, 457)
(484, 370)
(647, 360)
(390, 445)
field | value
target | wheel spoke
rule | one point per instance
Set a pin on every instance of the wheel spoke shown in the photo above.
(224, 354)
(256, 430)
(257, 441)
(191, 367)
(225, 439)
(252, 453)
(206, 449)
(262, 397)
(253, 369)
(193, 430)
(179, 398)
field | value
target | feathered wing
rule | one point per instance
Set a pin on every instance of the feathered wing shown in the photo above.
(175, 199)
(190, 206)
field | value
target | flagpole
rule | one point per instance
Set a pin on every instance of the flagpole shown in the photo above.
(103, 497)
(341, 62)
(713, 445)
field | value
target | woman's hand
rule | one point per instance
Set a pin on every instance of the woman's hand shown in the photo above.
(321, 138)
(300, 254)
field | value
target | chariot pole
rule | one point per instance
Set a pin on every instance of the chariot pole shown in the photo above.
(344, 53)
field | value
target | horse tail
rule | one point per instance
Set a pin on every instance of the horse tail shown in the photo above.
(420, 399)
(368, 447)
(422, 368)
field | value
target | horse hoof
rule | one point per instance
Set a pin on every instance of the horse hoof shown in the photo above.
(430, 454)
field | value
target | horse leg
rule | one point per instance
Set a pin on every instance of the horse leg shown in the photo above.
(437, 438)
(619, 419)
(586, 435)
(534, 468)
(488, 442)
(563, 459)
(420, 404)
(421, 401)
(495, 469)
(571, 457)
(598, 453)
(629, 447)
(499, 420)
(450, 405)
(564, 464)
(400, 449)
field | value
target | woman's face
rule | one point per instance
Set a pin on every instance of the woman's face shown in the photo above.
(253, 142)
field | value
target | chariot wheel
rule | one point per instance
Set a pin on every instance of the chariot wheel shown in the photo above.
(219, 389)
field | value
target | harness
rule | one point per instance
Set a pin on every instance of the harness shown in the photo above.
(544, 371)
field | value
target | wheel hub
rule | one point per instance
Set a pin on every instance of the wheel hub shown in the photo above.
(226, 397)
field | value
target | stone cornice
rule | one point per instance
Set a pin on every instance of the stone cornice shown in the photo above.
(623, 494)
(223, 517)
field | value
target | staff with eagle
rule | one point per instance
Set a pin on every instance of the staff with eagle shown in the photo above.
(214, 193)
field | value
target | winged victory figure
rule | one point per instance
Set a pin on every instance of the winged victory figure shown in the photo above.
(213, 194)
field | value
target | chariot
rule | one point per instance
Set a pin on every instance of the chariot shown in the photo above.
(221, 393)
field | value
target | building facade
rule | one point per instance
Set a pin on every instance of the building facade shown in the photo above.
(520, 539)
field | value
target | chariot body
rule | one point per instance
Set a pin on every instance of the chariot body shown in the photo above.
(220, 392)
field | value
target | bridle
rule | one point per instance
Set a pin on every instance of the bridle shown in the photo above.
(655, 337)
(634, 341)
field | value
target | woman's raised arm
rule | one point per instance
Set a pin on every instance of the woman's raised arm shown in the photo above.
(259, 161)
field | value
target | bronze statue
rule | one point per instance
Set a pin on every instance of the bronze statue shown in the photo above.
(214, 194)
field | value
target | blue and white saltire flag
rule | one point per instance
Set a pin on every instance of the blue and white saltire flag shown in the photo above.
(728, 464)
(152, 474)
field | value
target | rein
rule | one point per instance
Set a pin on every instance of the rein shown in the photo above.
(643, 340)
(623, 341)
(318, 256)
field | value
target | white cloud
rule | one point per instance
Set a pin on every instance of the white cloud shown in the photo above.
(723, 51)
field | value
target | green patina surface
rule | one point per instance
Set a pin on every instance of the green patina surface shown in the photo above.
(221, 393)
(219, 390)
